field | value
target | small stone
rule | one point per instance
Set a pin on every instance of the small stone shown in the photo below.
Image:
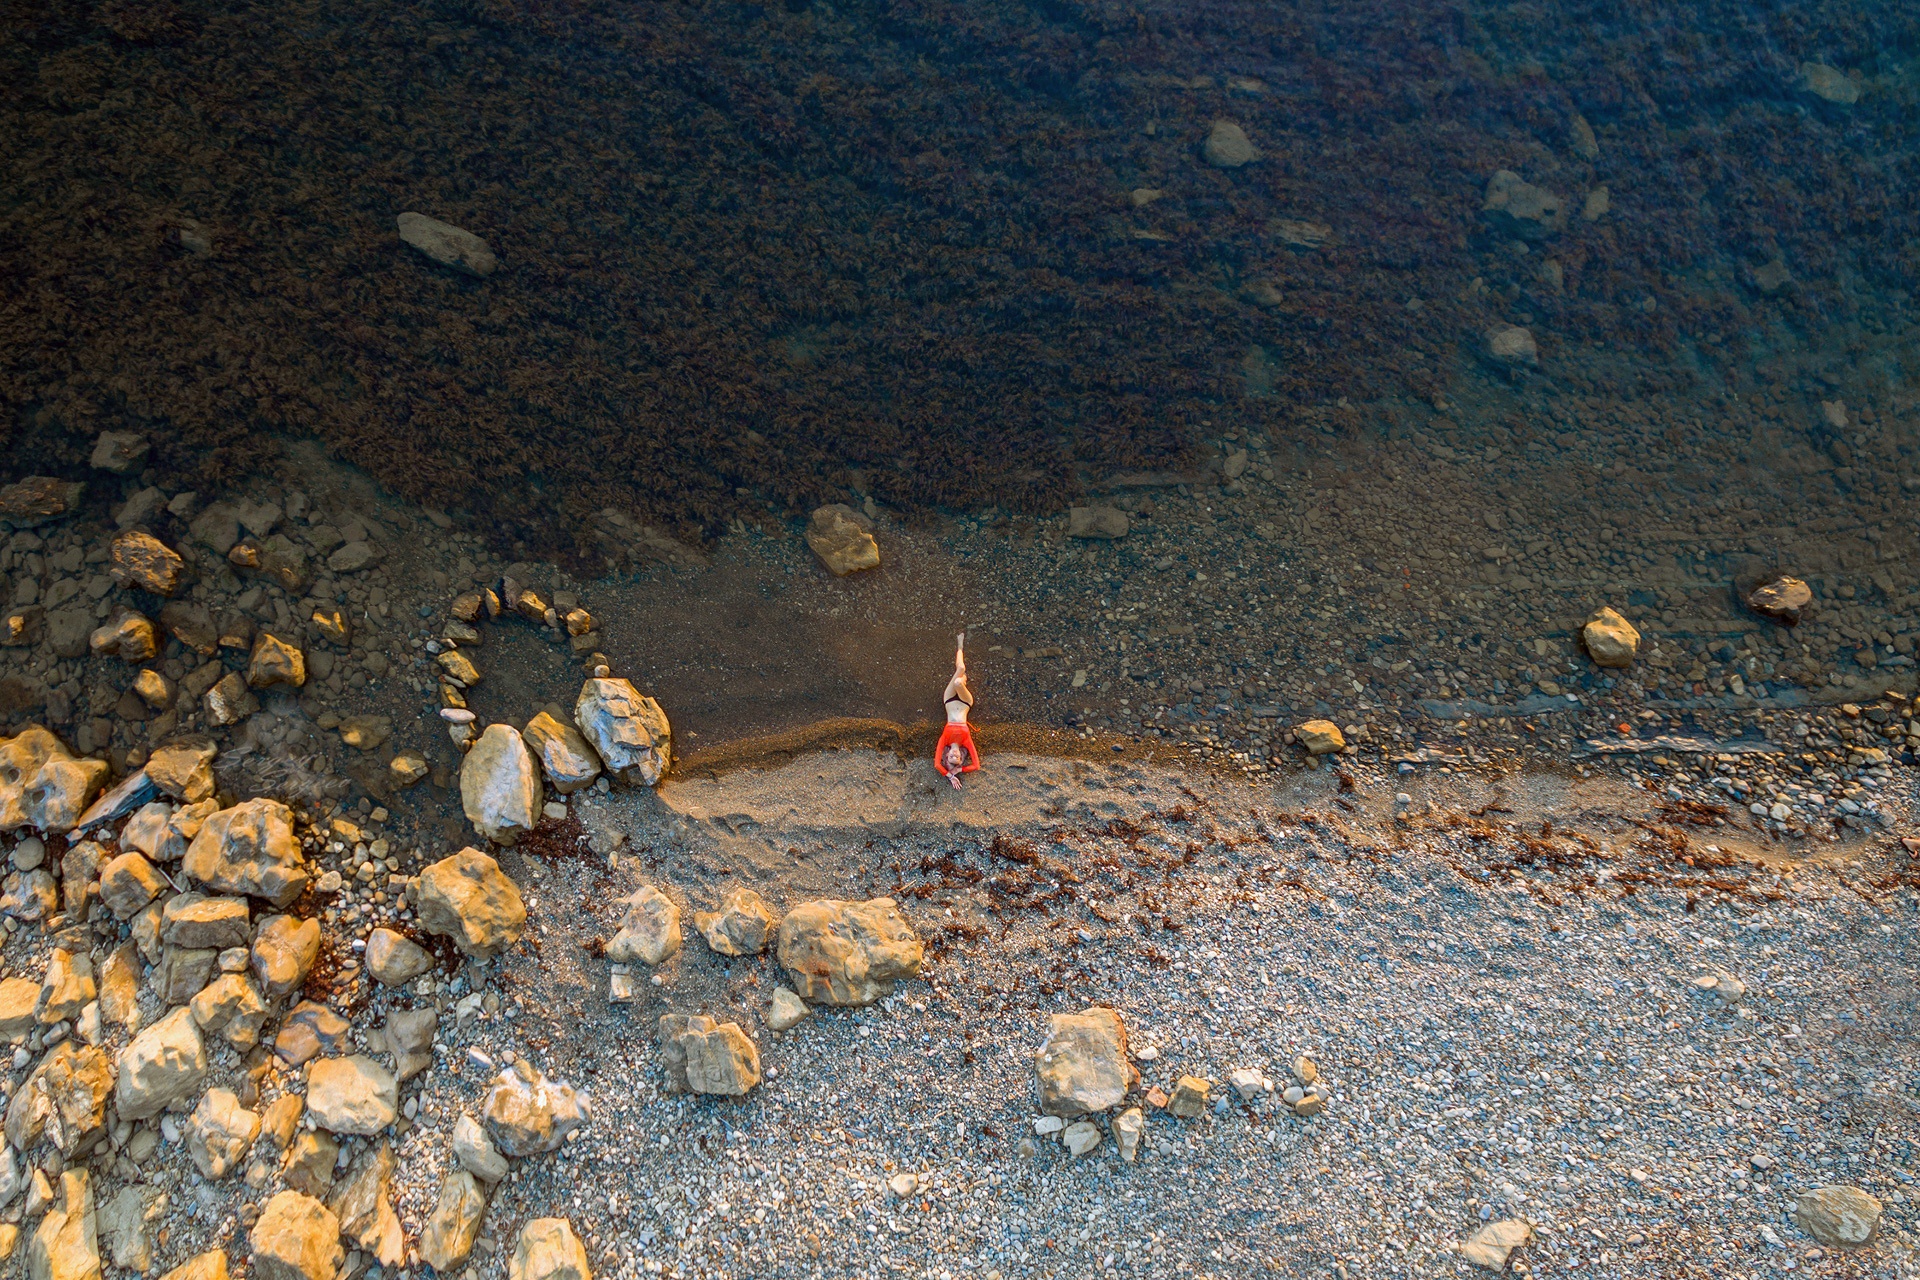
(230, 701)
(69, 986)
(499, 787)
(1582, 139)
(219, 1133)
(296, 1238)
(141, 562)
(1511, 344)
(310, 1029)
(310, 1162)
(123, 1222)
(649, 931)
(903, 1184)
(468, 898)
(1247, 1083)
(1829, 84)
(365, 733)
(354, 1095)
(786, 1010)
(410, 1034)
(1101, 523)
(182, 770)
(1227, 146)
(1838, 1216)
(181, 973)
(211, 1265)
(527, 1114)
(843, 539)
(741, 927)
(702, 1056)
(196, 920)
(458, 666)
(354, 557)
(1610, 639)
(156, 691)
(19, 1007)
(847, 953)
(1082, 1066)
(408, 768)
(1128, 1128)
(164, 1064)
(280, 1118)
(446, 244)
(64, 1100)
(1189, 1097)
(1081, 1137)
(476, 1152)
(1305, 1070)
(549, 1250)
(1517, 208)
(275, 662)
(1492, 1244)
(1320, 737)
(1783, 599)
(334, 626)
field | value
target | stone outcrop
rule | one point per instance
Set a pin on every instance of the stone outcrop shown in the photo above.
(499, 786)
(626, 729)
(468, 898)
(848, 953)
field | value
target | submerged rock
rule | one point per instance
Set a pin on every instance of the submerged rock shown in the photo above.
(447, 244)
(1105, 523)
(1227, 146)
(142, 562)
(843, 539)
(1515, 207)
(1611, 640)
(499, 788)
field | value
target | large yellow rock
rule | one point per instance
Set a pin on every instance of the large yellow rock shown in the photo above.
(1321, 737)
(843, 539)
(1611, 640)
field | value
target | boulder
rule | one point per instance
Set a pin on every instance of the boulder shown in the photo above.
(740, 927)
(183, 770)
(128, 883)
(296, 1238)
(475, 1151)
(42, 784)
(468, 898)
(565, 757)
(848, 953)
(1515, 207)
(1082, 1067)
(230, 1006)
(141, 562)
(68, 987)
(548, 1250)
(250, 849)
(353, 1095)
(528, 1114)
(1320, 737)
(843, 539)
(66, 1244)
(649, 931)
(1611, 640)
(499, 787)
(364, 1206)
(219, 1133)
(450, 1230)
(275, 662)
(395, 959)
(702, 1056)
(626, 729)
(1838, 1216)
(283, 953)
(1227, 146)
(64, 1100)
(446, 244)
(1493, 1244)
(164, 1064)
(196, 920)
(1103, 523)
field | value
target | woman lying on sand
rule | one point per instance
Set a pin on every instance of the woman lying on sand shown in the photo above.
(956, 754)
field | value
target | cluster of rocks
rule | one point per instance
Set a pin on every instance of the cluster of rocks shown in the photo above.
(845, 954)
(162, 975)
(1085, 1069)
